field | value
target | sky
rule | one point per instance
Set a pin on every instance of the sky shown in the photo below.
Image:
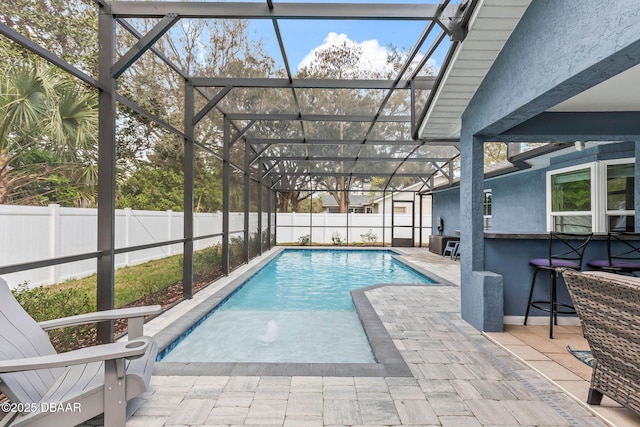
(300, 38)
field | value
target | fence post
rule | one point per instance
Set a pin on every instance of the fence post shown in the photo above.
(196, 230)
(324, 228)
(169, 220)
(127, 234)
(54, 240)
(219, 223)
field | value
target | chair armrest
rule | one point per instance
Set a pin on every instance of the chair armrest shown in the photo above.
(119, 350)
(100, 316)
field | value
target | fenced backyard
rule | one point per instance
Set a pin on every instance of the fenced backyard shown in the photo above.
(352, 228)
(31, 233)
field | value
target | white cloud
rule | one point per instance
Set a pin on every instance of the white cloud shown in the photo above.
(375, 55)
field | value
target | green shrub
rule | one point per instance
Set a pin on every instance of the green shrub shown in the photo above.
(236, 251)
(369, 237)
(304, 240)
(44, 303)
(254, 245)
(336, 238)
(207, 259)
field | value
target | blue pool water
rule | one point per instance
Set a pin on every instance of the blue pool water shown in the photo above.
(296, 309)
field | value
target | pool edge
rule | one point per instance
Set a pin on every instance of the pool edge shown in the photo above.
(171, 334)
(390, 362)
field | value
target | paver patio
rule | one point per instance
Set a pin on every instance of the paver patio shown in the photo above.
(460, 378)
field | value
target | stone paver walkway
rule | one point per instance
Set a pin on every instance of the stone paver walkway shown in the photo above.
(459, 378)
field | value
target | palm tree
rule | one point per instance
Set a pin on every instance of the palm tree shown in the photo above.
(45, 115)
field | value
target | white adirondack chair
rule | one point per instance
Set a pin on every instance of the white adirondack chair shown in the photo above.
(59, 389)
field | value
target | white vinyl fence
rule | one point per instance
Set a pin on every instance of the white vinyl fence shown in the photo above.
(33, 233)
(321, 227)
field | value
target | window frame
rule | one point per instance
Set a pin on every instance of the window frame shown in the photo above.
(604, 164)
(487, 218)
(599, 212)
(593, 212)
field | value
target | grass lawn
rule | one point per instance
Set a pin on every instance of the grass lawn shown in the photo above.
(133, 282)
(154, 282)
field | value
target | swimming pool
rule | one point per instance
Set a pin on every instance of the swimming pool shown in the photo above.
(297, 309)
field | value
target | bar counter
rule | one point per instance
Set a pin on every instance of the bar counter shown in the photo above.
(508, 255)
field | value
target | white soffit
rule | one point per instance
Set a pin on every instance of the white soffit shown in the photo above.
(489, 28)
(618, 93)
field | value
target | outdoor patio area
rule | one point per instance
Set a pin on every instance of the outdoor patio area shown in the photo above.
(155, 155)
(461, 377)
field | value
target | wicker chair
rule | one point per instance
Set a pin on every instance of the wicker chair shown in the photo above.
(609, 308)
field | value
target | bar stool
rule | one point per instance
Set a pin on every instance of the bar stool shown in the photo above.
(625, 258)
(456, 252)
(570, 251)
(451, 248)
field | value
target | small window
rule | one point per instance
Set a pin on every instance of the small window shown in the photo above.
(571, 191)
(487, 209)
(571, 207)
(620, 197)
(597, 196)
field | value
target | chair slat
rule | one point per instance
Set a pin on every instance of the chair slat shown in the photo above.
(81, 384)
(20, 336)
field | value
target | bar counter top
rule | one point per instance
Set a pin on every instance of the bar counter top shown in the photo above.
(529, 235)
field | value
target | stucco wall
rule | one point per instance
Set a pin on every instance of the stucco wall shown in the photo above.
(446, 204)
(619, 150)
(510, 259)
(519, 199)
(518, 203)
(552, 55)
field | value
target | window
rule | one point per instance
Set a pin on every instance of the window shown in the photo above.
(597, 197)
(571, 207)
(487, 209)
(620, 201)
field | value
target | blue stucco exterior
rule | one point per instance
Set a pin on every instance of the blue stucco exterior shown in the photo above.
(446, 204)
(619, 150)
(519, 198)
(518, 203)
(487, 288)
(509, 258)
(552, 55)
(518, 206)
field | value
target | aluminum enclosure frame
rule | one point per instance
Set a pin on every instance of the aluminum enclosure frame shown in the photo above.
(447, 18)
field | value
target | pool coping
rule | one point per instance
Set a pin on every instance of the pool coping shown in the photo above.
(390, 362)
